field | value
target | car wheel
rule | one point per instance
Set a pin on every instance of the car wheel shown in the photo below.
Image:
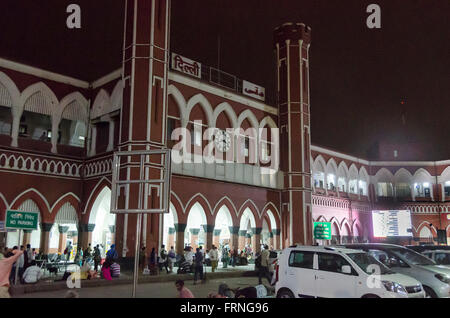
(429, 293)
(285, 293)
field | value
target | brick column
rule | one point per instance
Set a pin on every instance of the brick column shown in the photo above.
(216, 237)
(179, 229)
(62, 238)
(145, 66)
(26, 237)
(170, 238)
(291, 43)
(209, 229)
(276, 238)
(45, 237)
(242, 239)
(234, 232)
(112, 229)
(257, 239)
(85, 235)
(271, 243)
(194, 237)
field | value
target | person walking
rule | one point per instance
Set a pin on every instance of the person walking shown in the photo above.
(5, 270)
(225, 257)
(97, 257)
(152, 262)
(163, 259)
(68, 250)
(172, 258)
(87, 255)
(142, 258)
(183, 292)
(214, 257)
(264, 268)
(198, 261)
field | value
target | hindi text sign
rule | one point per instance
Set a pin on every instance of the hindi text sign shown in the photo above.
(21, 220)
(187, 66)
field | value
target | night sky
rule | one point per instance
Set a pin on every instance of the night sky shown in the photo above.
(359, 76)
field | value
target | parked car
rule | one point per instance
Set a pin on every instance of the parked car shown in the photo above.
(434, 278)
(318, 271)
(428, 247)
(441, 257)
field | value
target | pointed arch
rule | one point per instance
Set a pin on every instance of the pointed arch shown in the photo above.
(200, 199)
(402, 175)
(179, 208)
(3, 206)
(102, 104)
(421, 175)
(247, 114)
(251, 206)
(224, 107)
(102, 183)
(9, 93)
(204, 104)
(70, 197)
(46, 102)
(426, 224)
(229, 204)
(384, 175)
(346, 225)
(117, 96)
(73, 107)
(36, 197)
(181, 103)
(267, 121)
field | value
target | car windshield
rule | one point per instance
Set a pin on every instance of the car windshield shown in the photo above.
(363, 260)
(442, 258)
(412, 257)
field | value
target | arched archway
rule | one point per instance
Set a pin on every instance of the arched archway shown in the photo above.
(195, 234)
(222, 223)
(247, 225)
(105, 222)
(64, 230)
(169, 221)
(335, 233)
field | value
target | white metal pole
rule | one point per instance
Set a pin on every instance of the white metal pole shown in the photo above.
(18, 260)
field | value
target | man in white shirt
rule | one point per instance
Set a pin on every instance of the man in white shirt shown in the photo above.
(189, 256)
(214, 256)
(32, 274)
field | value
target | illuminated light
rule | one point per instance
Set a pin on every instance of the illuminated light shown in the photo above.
(426, 184)
(447, 183)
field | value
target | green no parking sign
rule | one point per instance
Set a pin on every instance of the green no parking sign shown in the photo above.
(21, 220)
(322, 230)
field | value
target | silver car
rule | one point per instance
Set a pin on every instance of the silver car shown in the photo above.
(441, 257)
(434, 278)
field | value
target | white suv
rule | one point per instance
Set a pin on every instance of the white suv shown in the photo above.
(318, 271)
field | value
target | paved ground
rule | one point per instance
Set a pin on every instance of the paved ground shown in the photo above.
(150, 290)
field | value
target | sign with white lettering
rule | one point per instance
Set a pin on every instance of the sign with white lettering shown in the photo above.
(253, 90)
(22, 220)
(322, 230)
(187, 66)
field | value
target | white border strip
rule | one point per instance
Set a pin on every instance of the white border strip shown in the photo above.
(107, 78)
(42, 73)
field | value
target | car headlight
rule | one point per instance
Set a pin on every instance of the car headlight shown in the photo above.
(394, 287)
(443, 278)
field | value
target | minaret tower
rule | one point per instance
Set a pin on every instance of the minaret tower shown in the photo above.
(144, 111)
(292, 41)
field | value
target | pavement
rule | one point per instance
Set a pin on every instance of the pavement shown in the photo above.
(152, 290)
(117, 285)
